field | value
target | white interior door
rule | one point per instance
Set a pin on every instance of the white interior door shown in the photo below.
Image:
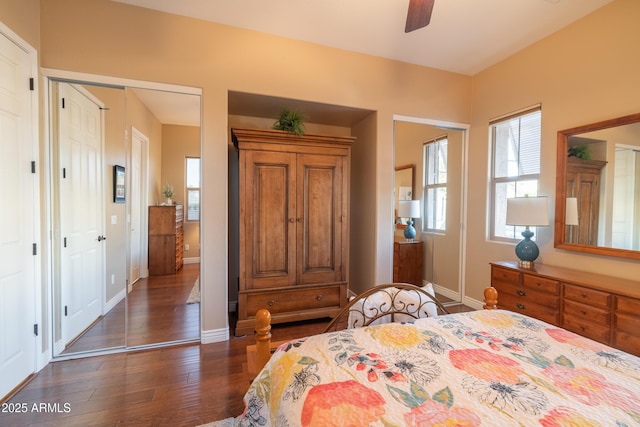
(81, 210)
(18, 219)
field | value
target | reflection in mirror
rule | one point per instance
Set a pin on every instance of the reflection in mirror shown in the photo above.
(441, 263)
(404, 189)
(87, 128)
(103, 295)
(599, 165)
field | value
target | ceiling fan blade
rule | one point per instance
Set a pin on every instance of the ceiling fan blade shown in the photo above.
(419, 14)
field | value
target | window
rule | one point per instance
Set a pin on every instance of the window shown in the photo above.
(515, 166)
(435, 185)
(193, 188)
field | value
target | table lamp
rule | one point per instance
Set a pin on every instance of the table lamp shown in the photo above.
(528, 212)
(409, 209)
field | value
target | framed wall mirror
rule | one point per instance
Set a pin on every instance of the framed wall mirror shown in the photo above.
(404, 189)
(598, 188)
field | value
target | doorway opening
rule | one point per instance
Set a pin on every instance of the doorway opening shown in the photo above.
(439, 178)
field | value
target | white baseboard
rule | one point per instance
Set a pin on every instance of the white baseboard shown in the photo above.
(214, 335)
(192, 260)
(473, 303)
(448, 293)
(114, 301)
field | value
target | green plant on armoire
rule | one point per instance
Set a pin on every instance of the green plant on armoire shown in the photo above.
(291, 121)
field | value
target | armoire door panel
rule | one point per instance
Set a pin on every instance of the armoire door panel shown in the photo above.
(320, 206)
(270, 212)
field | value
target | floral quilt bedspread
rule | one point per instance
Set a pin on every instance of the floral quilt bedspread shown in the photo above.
(490, 367)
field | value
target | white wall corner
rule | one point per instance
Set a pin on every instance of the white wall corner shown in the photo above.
(214, 335)
(440, 290)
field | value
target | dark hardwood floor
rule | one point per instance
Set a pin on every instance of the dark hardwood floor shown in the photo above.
(157, 311)
(183, 385)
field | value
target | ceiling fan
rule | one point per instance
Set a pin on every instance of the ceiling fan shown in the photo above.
(419, 14)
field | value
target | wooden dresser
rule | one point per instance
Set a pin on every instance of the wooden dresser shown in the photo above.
(294, 215)
(166, 239)
(407, 261)
(603, 308)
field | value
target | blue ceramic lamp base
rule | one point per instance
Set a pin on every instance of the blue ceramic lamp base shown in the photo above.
(527, 251)
(409, 231)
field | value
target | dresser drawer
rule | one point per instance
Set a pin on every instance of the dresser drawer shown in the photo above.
(626, 335)
(527, 296)
(585, 328)
(590, 314)
(528, 307)
(628, 305)
(504, 276)
(288, 300)
(548, 286)
(588, 296)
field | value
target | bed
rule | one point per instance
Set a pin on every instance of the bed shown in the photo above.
(488, 367)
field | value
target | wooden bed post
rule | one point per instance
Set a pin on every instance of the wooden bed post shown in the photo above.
(263, 338)
(490, 298)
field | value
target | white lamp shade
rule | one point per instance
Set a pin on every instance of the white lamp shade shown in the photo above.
(530, 211)
(571, 212)
(409, 208)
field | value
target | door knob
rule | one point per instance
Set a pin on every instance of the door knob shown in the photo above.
(101, 238)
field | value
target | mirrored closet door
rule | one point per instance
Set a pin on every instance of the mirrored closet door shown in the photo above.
(112, 151)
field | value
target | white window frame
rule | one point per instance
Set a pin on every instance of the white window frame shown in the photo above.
(189, 189)
(430, 209)
(523, 183)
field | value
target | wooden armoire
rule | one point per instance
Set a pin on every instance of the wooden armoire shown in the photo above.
(294, 237)
(583, 182)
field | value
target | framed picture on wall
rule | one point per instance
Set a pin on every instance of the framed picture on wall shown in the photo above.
(118, 184)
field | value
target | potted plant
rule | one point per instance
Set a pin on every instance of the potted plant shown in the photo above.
(167, 192)
(290, 121)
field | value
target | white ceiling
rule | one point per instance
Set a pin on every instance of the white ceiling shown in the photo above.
(464, 36)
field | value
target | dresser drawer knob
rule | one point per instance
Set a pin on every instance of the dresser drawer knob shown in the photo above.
(319, 297)
(520, 306)
(271, 303)
(583, 295)
(521, 293)
(584, 312)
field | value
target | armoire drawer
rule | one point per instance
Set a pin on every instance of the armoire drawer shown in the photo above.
(288, 300)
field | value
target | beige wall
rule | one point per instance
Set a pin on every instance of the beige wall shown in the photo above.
(23, 18)
(584, 73)
(178, 143)
(110, 38)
